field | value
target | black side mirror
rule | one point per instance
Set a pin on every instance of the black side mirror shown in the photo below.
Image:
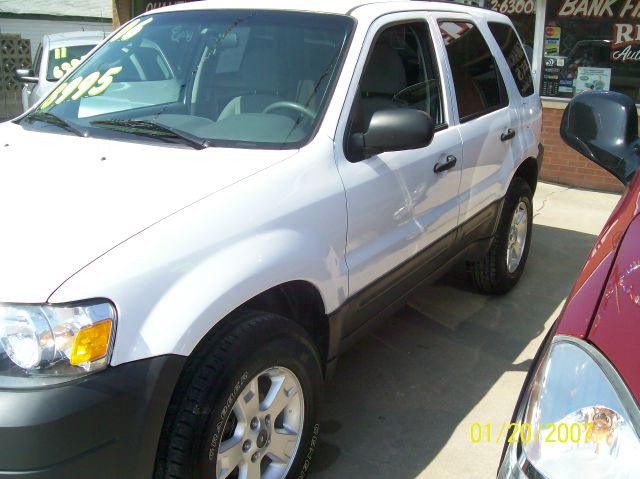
(394, 130)
(603, 126)
(25, 75)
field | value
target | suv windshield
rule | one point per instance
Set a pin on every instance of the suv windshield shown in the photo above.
(235, 78)
(63, 59)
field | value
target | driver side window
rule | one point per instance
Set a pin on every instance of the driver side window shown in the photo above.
(400, 73)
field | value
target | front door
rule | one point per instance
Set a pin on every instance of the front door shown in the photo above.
(397, 205)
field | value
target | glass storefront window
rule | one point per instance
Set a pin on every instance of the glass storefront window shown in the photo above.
(523, 16)
(591, 45)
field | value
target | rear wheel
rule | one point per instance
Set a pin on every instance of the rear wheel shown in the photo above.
(501, 269)
(246, 408)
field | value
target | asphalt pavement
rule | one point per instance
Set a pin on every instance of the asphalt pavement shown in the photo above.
(427, 393)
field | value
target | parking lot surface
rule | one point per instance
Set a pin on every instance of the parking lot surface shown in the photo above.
(405, 400)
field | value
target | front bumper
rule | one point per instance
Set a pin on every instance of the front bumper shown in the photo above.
(105, 425)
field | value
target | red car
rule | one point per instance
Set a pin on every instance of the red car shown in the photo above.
(578, 414)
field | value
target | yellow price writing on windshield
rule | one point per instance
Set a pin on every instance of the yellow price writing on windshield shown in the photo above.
(61, 70)
(60, 53)
(131, 30)
(93, 84)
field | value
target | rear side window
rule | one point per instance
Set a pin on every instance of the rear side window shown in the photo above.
(515, 56)
(477, 81)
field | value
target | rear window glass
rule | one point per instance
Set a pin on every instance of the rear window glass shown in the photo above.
(515, 56)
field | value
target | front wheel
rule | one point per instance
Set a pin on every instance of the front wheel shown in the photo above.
(247, 408)
(501, 268)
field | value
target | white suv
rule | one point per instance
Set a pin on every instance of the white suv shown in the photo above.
(58, 54)
(217, 202)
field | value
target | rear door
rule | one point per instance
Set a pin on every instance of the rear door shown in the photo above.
(487, 117)
(517, 74)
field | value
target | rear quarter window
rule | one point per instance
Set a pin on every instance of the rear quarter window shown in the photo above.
(515, 56)
(476, 79)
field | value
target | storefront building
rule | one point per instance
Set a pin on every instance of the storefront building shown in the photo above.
(574, 45)
(577, 45)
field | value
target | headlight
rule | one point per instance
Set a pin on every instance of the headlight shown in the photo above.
(584, 420)
(49, 341)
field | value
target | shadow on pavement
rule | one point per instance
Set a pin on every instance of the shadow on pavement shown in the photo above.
(400, 393)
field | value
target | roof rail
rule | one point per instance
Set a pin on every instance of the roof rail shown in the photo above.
(472, 3)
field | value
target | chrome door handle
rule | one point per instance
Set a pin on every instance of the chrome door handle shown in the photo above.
(448, 163)
(508, 135)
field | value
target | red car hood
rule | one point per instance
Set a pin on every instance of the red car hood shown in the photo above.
(604, 306)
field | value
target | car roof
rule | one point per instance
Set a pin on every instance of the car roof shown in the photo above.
(343, 7)
(75, 38)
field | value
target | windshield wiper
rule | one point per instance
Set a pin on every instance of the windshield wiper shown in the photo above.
(57, 121)
(152, 128)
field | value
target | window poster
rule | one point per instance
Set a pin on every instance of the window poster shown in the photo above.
(552, 41)
(551, 76)
(592, 79)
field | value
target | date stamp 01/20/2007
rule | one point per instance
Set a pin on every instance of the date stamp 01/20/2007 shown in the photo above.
(523, 432)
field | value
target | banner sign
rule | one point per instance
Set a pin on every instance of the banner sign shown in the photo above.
(510, 7)
(625, 42)
(142, 6)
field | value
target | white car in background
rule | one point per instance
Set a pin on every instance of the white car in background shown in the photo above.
(57, 54)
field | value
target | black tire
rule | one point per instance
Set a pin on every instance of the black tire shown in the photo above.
(491, 275)
(201, 416)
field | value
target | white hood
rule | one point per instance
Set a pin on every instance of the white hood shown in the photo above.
(65, 200)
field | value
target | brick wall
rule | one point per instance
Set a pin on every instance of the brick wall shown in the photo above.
(566, 166)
